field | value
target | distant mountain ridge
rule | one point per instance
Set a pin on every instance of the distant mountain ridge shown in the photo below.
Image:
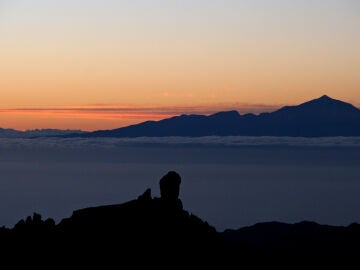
(321, 117)
(12, 133)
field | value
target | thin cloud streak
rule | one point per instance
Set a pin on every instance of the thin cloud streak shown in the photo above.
(109, 116)
(159, 111)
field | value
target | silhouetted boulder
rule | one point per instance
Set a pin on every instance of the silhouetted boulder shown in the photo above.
(170, 186)
(170, 190)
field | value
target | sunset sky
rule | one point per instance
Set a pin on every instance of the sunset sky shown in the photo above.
(87, 64)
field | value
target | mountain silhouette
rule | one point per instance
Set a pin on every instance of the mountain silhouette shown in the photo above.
(316, 118)
(147, 228)
(36, 133)
(159, 231)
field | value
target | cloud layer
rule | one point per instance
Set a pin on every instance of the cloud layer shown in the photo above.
(229, 141)
(229, 181)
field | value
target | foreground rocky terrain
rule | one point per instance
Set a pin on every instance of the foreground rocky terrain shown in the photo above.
(159, 229)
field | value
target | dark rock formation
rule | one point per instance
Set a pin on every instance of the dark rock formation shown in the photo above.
(157, 230)
(170, 186)
(145, 220)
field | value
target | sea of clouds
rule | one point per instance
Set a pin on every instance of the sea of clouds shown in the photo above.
(229, 181)
(19, 143)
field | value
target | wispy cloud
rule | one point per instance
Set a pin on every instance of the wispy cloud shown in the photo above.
(92, 113)
(119, 111)
(108, 116)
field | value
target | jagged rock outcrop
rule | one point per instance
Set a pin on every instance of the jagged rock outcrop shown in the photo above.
(160, 229)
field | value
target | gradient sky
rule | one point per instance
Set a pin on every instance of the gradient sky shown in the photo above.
(103, 64)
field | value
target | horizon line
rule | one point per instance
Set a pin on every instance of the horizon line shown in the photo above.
(110, 116)
(120, 115)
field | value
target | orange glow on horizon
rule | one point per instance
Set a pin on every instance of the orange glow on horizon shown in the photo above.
(103, 116)
(170, 58)
(72, 119)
